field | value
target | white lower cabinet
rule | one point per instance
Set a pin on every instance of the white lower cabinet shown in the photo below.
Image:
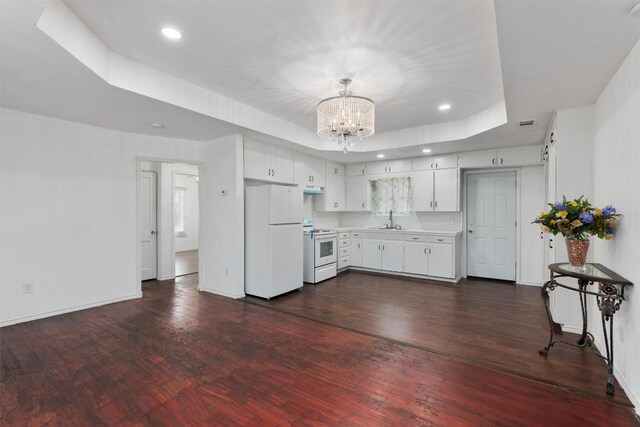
(440, 261)
(372, 254)
(382, 254)
(355, 246)
(392, 255)
(415, 257)
(434, 255)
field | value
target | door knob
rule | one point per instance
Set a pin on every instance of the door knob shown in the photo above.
(153, 232)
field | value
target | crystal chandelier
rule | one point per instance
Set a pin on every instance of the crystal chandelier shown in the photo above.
(346, 118)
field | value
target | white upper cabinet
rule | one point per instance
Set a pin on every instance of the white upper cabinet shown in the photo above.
(267, 162)
(422, 191)
(357, 193)
(520, 156)
(435, 162)
(309, 171)
(508, 157)
(333, 199)
(446, 190)
(335, 169)
(282, 165)
(477, 159)
(386, 167)
(437, 190)
(355, 169)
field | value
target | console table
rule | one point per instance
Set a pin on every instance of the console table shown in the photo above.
(609, 294)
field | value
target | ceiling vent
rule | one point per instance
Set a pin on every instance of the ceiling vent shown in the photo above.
(527, 123)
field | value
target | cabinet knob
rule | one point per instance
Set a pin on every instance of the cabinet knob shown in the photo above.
(153, 232)
(363, 204)
(550, 242)
(541, 235)
(362, 171)
(431, 204)
(335, 171)
(429, 251)
(358, 245)
(501, 160)
(415, 238)
(425, 251)
(493, 161)
(435, 204)
(440, 240)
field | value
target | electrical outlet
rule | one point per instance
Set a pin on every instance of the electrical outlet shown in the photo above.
(27, 288)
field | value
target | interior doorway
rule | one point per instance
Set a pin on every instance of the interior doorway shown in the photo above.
(491, 225)
(185, 220)
(148, 219)
(169, 215)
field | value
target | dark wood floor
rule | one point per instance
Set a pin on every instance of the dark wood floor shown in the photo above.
(490, 323)
(179, 357)
(186, 262)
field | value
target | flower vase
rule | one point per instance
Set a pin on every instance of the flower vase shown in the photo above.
(577, 250)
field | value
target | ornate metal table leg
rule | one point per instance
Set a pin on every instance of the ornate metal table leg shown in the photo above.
(549, 286)
(608, 304)
(582, 286)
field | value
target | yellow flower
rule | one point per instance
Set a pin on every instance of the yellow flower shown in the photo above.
(608, 236)
(612, 221)
(543, 213)
(598, 211)
(561, 214)
(576, 223)
(553, 221)
(544, 228)
(573, 203)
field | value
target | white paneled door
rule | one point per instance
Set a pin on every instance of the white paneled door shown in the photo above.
(491, 225)
(148, 236)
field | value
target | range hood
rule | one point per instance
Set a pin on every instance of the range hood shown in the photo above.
(312, 190)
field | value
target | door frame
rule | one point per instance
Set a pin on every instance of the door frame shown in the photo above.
(173, 219)
(201, 216)
(465, 204)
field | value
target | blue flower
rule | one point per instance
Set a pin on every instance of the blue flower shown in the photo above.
(585, 218)
(608, 210)
(559, 206)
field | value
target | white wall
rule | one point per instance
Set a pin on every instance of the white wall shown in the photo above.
(617, 182)
(190, 184)
(532, 201)
(222, 270)
(68, 220)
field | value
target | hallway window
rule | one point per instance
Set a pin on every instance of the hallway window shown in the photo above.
(179, 211)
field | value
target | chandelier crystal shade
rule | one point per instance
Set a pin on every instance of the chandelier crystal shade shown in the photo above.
(346, 118)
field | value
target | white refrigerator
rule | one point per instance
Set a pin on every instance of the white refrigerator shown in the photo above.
(273, 240)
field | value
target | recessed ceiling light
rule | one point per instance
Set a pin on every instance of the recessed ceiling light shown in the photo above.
(157, 125)
(380, 156)
(444, 107)
(426, 150)
(171, 33)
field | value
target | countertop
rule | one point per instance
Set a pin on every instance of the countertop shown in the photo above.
(403, 231)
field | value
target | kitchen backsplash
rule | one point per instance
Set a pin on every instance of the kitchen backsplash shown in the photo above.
(448, 221)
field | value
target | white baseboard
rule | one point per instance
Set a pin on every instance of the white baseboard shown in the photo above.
(400, 273)
(161, 279)
(633, 398)
(539, 285)
(572, 329)
(222, 293)
(67, 310)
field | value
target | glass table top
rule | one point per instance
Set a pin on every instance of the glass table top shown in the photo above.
(587, 270)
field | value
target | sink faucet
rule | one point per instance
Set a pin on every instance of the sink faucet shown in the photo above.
(391, 219)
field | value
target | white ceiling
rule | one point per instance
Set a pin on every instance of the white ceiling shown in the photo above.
(553, 54)
(283, 57)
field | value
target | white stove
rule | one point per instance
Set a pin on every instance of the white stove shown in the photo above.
(320, 254)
